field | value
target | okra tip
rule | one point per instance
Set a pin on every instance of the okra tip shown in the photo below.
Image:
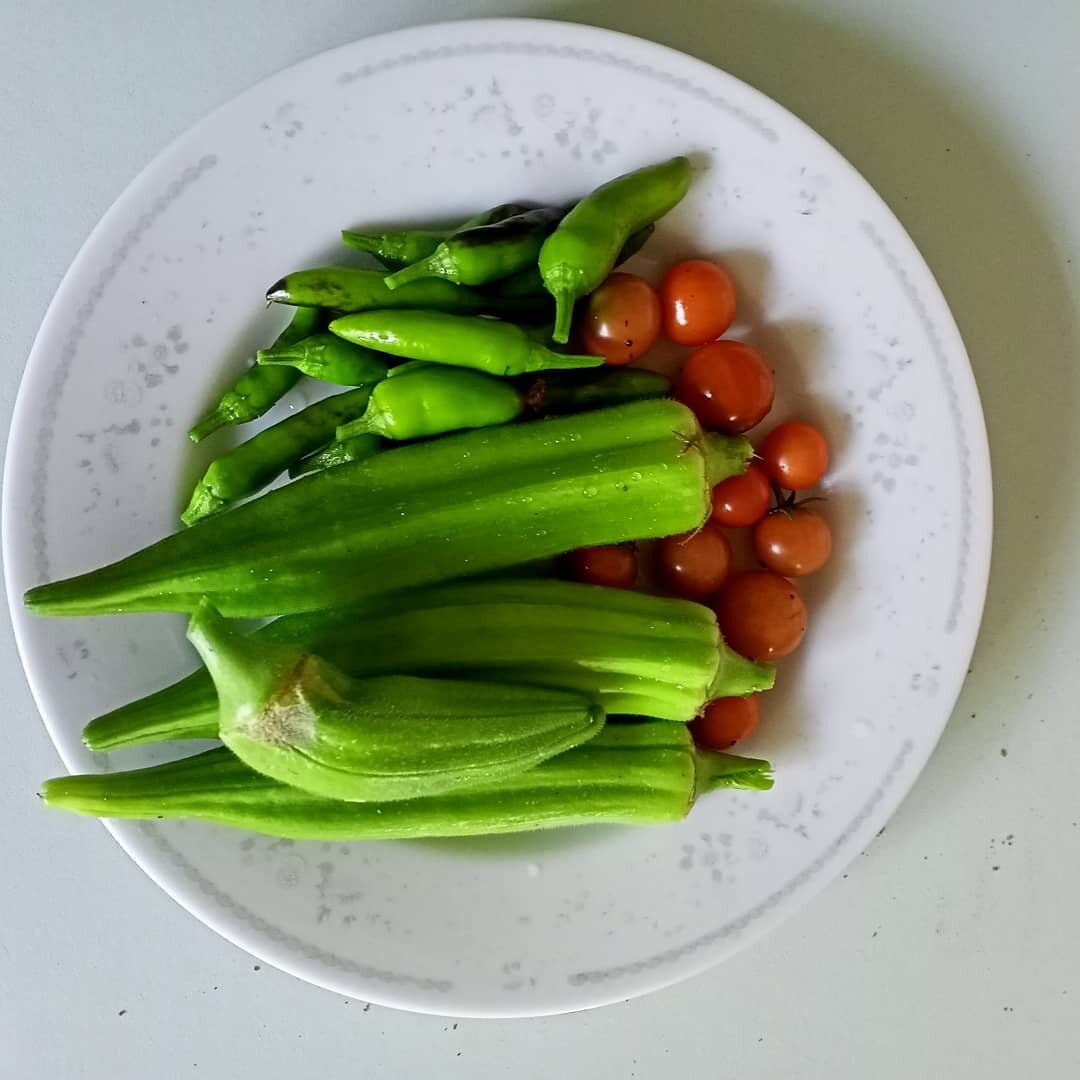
(713, 771)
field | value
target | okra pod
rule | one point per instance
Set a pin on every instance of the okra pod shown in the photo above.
(462, 505)
(631, 773)
(634, 653)
(294, 716)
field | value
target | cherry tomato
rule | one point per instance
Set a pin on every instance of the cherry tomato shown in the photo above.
(795, 455)
(728, 386)
(613, 565)
(741, 500)
(694, 565)
(793, 542)
(622, 319)
(761, 615)
(698, 302)
(725, 721)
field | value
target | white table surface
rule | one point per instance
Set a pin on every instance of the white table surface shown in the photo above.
(951, 949)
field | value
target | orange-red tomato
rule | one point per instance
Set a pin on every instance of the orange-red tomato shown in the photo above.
(622, 319)
(795, 455)
(694, 565)
(793, 542)
(743, 500)
(725, 721)
(613, 565)
(697, 299)
(728, 386)
(761, 615)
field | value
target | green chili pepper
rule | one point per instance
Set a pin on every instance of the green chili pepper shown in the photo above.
(294, 716)
(433, 402)
(632, 652)
(633, 774)
(252, 465)
(258, 389)
(529, 282)
(468, 503)
(409, 367)
(497, 348)
(485, 253)
(399, 249)
(580, 253)
(555, 392)
(339, 452)
(346, 289)
(329, 358)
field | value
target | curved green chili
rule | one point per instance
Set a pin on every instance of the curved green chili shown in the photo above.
(529, 282)
(329, 358)
(580, 253)
(486, 252)
(497, 348)
(252, 465)
(555, 392)
(398, 249)
(347, 289)
(339, 452)
(433, 402)
(258, 389)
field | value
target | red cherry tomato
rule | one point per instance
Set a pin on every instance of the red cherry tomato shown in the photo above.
(613, 565)
(795, 455)
(622, 319)
(694, 565)
(743, 500)
(761, 615)
(697, 298)
(793, 542)
(725, 721)
(728, 386)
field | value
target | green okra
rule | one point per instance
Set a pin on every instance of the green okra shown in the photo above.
(292, 715)
(461, 505)
(328, 358)
(655, 656)
(630, 773)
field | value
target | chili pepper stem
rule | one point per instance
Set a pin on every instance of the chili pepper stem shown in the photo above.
(564, 314)
(211, 422)
(713, 771)
(430, 267)
(362, 425)
(275, 358)
(202, 504)
(541, 358)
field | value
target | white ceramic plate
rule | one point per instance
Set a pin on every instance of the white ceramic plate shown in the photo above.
(163, 305)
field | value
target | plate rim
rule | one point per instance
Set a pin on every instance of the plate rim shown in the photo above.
(904, 771)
